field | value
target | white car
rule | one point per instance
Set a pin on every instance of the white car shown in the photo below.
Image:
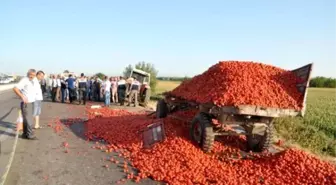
(5, 80)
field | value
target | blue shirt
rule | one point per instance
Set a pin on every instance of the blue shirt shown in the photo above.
(71, 83)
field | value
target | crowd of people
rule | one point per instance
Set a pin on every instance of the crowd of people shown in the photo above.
(80, 89)
(32, 88)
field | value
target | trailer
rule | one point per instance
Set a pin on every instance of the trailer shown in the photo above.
(255, 122)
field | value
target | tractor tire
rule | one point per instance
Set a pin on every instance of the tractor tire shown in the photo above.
(161, 109)
(147, 97)
(258, 143)
(201, 132)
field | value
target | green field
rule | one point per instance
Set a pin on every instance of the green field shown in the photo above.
(316, 131)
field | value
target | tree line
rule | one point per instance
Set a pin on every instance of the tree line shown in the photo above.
(173, 78)
(321, 81)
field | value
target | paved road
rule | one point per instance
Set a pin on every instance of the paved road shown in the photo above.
(45, 162)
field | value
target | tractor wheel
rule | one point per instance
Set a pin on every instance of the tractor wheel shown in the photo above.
(258, 143)
(161, 109)
(201, 132)
(147, 97)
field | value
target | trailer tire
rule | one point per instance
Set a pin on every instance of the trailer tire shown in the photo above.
(161, 109)
(206, 138)
(257, 143)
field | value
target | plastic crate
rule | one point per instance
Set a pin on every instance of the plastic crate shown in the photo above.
(154, 133)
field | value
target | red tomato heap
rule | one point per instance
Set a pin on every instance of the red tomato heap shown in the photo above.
(178, 161)
(231, 83)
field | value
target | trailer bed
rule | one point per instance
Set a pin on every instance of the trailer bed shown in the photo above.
(253, 110)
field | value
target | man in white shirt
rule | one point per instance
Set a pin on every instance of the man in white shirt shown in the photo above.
(107, 91)
(54, 88)
(37, 105)
(82, 88)
(26, 91)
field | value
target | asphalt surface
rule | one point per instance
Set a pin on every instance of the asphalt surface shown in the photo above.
(45, 161)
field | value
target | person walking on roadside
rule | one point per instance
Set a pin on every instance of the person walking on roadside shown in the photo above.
(121, 91)
(134, 91)
(37, 105)
(107, 92)
(71, 87)
(54, 88)
(25, 89)
(63, 90)
(82, 87)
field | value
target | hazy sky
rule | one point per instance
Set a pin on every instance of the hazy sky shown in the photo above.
(180, 37)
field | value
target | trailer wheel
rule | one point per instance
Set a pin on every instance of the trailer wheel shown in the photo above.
(258, 143)
(201, 132)
(161, 109)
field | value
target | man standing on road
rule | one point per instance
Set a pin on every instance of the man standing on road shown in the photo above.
(134, 88)
(54, 88)
(121, 90)
(71, 87)
(63, 90)
(107, 91)
(25, 89)
(82, 87)
(58, 92)
(97, 89)
(114, 90)
(43, 85)
(37, 105)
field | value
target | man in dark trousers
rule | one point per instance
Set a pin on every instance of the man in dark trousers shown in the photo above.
(121, 90)
(25, 89)
(97, 89)
(54, 86)
(82, 87)
(71, 88)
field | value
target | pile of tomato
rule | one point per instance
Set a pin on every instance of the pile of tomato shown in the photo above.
(230, 83)
(177, 160)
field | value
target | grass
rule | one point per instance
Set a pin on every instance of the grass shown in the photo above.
(316, 131)
(163, 86)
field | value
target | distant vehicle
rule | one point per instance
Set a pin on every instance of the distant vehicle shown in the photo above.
(4, 80)
(11, 78)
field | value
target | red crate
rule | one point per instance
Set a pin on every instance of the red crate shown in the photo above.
(154, 133)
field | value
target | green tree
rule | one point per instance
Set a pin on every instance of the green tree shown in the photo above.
(127, 71)
(100, 75)
(147, 67)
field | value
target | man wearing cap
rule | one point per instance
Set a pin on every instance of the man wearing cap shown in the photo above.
(25, 89)
(82, 87)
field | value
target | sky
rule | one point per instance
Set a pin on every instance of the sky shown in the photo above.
(180, 37)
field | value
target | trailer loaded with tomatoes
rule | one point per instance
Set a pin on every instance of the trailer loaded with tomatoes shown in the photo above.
(239, 98)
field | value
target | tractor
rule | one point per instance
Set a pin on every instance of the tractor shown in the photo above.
(145, 90)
